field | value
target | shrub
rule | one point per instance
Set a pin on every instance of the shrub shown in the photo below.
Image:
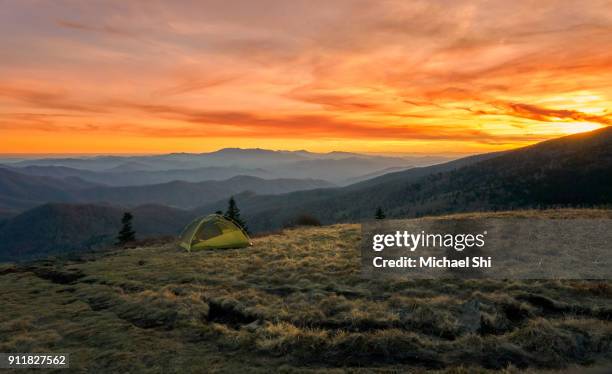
(304, 220)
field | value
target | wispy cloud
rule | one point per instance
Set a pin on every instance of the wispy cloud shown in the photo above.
(98, 29)
(48, 100)
(547, 115)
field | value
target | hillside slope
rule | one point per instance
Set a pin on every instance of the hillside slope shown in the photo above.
(61, 228)
(19, 191)
(574, 170)
(296, 302)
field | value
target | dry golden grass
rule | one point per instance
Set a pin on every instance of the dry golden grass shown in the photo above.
(566, 213)
(295, 301)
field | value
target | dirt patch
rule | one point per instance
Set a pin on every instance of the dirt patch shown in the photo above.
(58, 276)
(53, 274)
(228, 315)
(9, 270)
(551, 307)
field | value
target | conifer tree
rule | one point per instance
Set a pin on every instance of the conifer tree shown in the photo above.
(380, 214)
(233, 213)
(127, 233)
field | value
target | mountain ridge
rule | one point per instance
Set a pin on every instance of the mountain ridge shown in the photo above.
(19, 191)
(335, 167)
(553, 168)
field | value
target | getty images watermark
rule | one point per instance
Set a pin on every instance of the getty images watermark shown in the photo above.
(411, 241)
(488, 248)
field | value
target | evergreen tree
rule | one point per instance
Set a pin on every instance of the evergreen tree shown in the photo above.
(126, 234)
(380, 214)
(233, 213)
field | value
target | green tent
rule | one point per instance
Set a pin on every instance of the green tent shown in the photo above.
(213, 231)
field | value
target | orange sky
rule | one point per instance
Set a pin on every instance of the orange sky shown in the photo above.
(368, 76)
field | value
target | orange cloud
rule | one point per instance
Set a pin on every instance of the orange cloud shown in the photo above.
(546, 115)
(102, 29)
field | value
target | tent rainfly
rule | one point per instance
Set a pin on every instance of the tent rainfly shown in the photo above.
(211, 232)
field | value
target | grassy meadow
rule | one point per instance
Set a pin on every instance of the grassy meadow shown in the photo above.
(295, 301)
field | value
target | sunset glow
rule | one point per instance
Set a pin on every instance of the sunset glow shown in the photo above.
(366, 76)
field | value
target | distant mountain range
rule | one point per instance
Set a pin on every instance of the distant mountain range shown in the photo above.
(120, 177)
(189, 195)
(574, 170)
(336, 167)
(20, 191)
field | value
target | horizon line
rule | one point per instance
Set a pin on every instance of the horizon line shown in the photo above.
(396, 154)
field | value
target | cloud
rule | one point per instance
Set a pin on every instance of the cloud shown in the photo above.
(195, 84)
(538, 113)
(188, 122)
(48, 99)
(97, 29)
